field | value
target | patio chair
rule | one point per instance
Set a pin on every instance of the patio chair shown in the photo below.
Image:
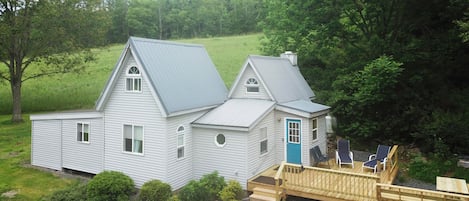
(343, 155)
(381, 156)
(317, 155)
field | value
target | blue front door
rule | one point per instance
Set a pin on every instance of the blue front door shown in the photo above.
(293, 138)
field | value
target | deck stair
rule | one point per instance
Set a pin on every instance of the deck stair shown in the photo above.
(264, 194)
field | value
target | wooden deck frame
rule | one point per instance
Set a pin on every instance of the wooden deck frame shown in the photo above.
(330, 184)
(388, 192)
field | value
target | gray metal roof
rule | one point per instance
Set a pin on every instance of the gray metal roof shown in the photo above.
(305, 106)
(237, 113)
(183, 75)
(283, 80)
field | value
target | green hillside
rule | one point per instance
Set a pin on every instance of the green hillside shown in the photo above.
(81, 90)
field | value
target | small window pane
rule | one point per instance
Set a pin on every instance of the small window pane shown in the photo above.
(180, 140)
(137, 84)
(252, 89)
(134, 71)
(127, 138)
(129, 84)
(180, 152)
(264, 146)
(180, 128)
(220, 139)
(79, 132)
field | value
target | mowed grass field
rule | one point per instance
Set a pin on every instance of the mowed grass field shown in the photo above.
(80, 91)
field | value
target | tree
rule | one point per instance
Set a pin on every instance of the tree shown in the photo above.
(51, 34)
(337, 38)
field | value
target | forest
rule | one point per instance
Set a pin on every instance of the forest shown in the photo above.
(393, 71)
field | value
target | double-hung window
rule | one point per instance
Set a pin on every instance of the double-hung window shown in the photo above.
(263, 141)
(133, 82)
(83, 132)
(133, 138)
(314, 129)
(180, 142)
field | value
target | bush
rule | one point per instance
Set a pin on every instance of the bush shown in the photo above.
(75, 192)
(214, 184)
(110, 186)
(155, 190)
(427, 170)
(194, 191)
(233, 191)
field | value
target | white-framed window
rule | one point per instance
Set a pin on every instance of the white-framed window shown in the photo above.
(180, 142)
(314, 129)
(220, 140)
(263, 141)
(83, 132)
(294, 132)
(252, 85)
(133, 138)
(133, 82)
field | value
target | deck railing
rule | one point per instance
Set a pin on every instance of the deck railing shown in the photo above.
(392, 192)
(326, 182)
(392, 167)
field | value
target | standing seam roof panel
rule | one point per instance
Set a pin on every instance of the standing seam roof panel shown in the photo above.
(182, 74)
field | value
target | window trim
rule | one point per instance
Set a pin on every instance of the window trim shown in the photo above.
(133, 78)
(266, 139)
(183, 146)
(314, 129)
(82, 137)
(248, 85)
(143, 139)
(216, 140)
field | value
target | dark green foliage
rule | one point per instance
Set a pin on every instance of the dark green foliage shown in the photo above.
(75, 192)
(213, 183)
(207, 188)
(110, 186)
(155, 190)
(427, 171)
(232, 191)
(194, 191)
(335, 39)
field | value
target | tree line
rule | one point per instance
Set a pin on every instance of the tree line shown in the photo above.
(170, 19)
(393, 71)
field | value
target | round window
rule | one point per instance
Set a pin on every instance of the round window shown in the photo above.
(220, 140)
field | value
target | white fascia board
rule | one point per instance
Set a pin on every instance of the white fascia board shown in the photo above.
(233, 128)
(111, 81)
(153, 91)
(67, 115)
(301, 113)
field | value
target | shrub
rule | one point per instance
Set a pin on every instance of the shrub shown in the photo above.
(110, 186)
(427, 170)
(233, 191)
(194, 191)
(155, 190)
(214, 184)
(75, 192)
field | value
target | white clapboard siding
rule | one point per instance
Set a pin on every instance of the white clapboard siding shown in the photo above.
(230, 161)
(322, 135)
(257, 162)
(179, 170)
(85, 157)
(46, 144)
(138, 109)
(240, 89)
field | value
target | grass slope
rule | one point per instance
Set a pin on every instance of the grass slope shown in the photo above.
(80, 91)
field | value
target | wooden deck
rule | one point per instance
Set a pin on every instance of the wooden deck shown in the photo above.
(329, 182)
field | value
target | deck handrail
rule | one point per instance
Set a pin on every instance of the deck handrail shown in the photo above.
(278, 177)
(327, 181)
(392, 166)
(394, 192)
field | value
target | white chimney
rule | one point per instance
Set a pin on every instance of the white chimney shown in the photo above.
(290, 56)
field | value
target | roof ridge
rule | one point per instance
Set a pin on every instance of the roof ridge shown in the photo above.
(267, 57)
(167, 42)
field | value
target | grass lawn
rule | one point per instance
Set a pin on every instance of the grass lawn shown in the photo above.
(80, 91)
(15, 153)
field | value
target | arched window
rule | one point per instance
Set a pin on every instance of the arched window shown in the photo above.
(180, 142)
(134, 80)
(252, 85)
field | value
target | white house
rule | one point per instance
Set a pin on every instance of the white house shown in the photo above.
(166, 114)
